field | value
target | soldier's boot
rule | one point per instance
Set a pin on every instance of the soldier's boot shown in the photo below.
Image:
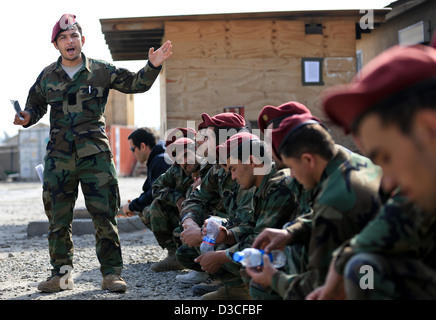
(53, 284)
(169, 263)
(228, 293)
(114, 283)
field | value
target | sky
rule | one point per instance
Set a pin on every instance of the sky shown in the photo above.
(27, 26)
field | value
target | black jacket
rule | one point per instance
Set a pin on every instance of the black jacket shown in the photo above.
(156, 165)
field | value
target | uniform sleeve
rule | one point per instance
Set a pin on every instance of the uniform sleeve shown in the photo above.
(327, 234)
(165, 186)
(126, 81)
(273, 211)
(36, 104)
(399, 228)
(205, 195)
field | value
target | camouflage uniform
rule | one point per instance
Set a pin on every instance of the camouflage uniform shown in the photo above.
(79, 151)
(274, 205)
(220, 196)
(399, 245)
(164, 215)
(344, 201)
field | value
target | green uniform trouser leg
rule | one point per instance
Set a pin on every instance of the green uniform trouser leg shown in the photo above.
(162, 219)
(98, 180)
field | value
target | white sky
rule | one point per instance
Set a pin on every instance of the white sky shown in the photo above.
(26, 28)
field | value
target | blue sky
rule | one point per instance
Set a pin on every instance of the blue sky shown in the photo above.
(26, 49)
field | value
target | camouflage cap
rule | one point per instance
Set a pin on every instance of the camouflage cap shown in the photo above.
(271, 113)
(66, 22)
(390, 72)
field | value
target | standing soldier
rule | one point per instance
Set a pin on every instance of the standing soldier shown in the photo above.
(77, 87)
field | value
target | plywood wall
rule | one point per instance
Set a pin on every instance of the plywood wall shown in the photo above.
(250, 63)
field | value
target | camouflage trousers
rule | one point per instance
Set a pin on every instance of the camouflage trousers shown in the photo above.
(377, 277)
(98, 180)
(228, 274)
(162, 218)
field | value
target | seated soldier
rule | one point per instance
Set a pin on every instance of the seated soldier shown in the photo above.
(251, 166)
(169, 191)
(391, 111)
(345, 198)
(217, 195)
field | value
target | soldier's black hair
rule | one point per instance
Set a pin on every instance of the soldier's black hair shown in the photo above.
(400, 108)
(310, 138)
(145, 135)
(255, 147)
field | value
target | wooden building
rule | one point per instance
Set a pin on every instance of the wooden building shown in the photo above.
(243, 59)
(408, 22)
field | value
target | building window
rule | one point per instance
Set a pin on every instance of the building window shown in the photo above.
(313, 28)
(414, 34)
(311, 71)
(359, 60)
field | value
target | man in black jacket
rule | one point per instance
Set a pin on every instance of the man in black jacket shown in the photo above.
(143, 143)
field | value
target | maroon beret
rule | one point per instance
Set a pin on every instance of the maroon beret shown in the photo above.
(232, 144)
(288, 126)
(67, 21)
(185, 142)
(177, 133)
(390, 72)
(271, 113)
(202, 125)
(224, 120)
(181, 145)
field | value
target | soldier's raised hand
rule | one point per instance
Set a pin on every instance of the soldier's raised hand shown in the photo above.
(160, 55)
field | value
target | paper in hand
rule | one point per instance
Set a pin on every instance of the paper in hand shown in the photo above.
(17, 108)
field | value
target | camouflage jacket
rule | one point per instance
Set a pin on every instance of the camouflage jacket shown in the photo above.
(219, 195)
(344, 201)
(274, 205)
(175, 183)
(399, 229)
(78, 104)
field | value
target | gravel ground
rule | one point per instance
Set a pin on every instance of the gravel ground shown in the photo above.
(24, 262)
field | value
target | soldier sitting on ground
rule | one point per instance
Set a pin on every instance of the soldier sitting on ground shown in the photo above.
(345, 198)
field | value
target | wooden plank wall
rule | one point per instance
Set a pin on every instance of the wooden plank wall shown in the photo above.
(250, 63)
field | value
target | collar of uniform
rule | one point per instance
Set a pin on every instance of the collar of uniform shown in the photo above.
(339, 157)
(259, 192)
(86, 63)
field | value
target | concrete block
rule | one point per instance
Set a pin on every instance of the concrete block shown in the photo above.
(85, 226)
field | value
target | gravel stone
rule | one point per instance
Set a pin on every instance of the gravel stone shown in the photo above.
(24, 262)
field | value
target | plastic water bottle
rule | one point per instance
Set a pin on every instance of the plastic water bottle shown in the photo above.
(252, 257)
(212, 230)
